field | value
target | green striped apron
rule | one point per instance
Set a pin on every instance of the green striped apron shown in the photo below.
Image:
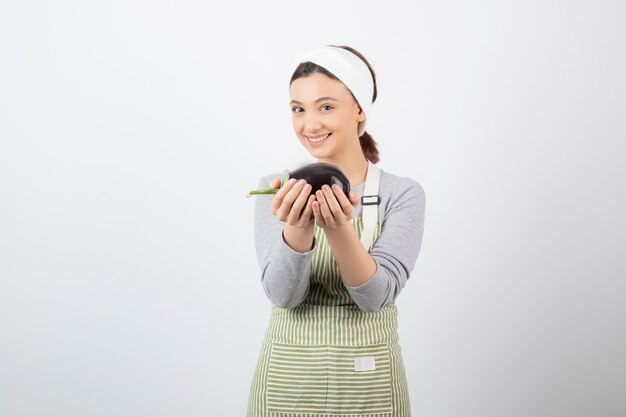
(326, 356)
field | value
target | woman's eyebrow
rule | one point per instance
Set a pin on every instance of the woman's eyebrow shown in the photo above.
(319, 99)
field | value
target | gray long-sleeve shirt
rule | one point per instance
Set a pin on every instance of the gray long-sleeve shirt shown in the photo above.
(285, 273)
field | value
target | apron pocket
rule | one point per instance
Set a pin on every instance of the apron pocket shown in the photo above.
(328, 379)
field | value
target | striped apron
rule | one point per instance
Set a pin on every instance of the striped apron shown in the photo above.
(326, 356)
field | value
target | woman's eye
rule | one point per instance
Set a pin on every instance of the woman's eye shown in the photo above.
(295, 109)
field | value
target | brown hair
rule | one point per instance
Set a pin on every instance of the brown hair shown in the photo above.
(368, 145)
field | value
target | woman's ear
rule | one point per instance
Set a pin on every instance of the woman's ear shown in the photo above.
(361, 116)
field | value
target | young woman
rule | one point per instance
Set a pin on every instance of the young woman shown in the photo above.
(332, 265)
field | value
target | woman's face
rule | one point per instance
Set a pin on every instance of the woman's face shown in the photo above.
(320, 106)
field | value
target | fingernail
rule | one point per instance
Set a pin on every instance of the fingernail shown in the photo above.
(291, 181)
(301, 182)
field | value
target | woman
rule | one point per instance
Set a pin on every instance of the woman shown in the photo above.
(332, 265)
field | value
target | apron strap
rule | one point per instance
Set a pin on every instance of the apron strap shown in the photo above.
(370, 201)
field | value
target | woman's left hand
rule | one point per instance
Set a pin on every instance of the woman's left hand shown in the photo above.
(332, 209)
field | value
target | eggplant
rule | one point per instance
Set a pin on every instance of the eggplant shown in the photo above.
(316, 174)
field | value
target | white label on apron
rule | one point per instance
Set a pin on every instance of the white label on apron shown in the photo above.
(365, 363)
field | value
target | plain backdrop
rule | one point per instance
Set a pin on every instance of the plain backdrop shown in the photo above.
(130, 132)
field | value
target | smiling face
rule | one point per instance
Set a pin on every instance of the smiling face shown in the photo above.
(321, 106)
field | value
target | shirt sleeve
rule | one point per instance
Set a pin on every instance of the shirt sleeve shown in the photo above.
(396, 249)
(285, 273)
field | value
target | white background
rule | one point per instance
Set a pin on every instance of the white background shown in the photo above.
(130, 132)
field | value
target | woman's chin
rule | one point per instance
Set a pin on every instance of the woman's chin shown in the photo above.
(318, 153)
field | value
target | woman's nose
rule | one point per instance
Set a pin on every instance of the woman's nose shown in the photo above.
(312, 123)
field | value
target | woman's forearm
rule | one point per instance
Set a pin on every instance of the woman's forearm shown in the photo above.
(299, 239)
(355, 264)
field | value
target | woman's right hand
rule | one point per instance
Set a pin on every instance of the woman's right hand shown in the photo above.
(292, 203)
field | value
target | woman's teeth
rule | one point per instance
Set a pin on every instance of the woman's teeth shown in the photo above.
(319, 139)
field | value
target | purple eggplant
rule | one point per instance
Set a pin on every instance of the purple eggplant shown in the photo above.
(316, 174)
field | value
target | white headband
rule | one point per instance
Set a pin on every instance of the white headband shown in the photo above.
(349, 68)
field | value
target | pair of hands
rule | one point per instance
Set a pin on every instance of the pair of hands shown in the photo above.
(293, 204)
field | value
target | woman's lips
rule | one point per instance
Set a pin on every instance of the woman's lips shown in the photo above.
(320, 142)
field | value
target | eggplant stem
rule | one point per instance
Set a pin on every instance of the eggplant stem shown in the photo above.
(270, 190)
(263, 191)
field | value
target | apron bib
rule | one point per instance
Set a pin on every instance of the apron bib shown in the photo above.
(326, 356)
